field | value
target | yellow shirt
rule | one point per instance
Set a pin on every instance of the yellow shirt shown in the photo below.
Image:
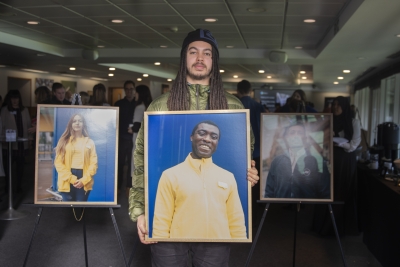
(199, 200)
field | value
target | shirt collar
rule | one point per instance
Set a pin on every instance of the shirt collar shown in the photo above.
(198, 164)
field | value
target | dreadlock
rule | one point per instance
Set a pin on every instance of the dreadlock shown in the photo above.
(179, 95)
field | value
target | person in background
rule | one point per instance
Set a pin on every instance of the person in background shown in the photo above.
(126, 110)
(143, 99)
(84, 98)
(344, 169)
(16, 117)
(299, 95)
(58, 95)
(243, 90)
(278, 107)
(327, 108)
(42, 95)
(198, 86)
(99, 96)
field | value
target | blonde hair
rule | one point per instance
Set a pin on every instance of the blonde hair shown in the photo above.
(65, 137)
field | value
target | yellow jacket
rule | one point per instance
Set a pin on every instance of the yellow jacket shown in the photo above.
(65, 177)
(197, 199)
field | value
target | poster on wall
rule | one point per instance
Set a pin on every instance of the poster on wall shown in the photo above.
(196, 186)
(70, 86)
(76, 155)
(44, 82)
(296, 157)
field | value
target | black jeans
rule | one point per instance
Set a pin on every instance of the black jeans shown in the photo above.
(124, 152)
(17, 156)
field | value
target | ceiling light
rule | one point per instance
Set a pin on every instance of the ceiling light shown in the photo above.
(111, 68)
(309, 20)
(170, 80)
(221, 71)
(111, 74)
(210, 19)
(72, 68)
(361, 58)
(229, 46)
(335, 82)
(100, 46)
(269, 77)
(117, 20)
(139, 79)
(32, 22)
(302, 72)
(346, 71)
(261, 71)
(340, 78)
(304, 78)
(256, 9)
(235, 76)
(37, 71)
(163, 46)
(157, 63)
(2, 66)
(298, 47)
(145, 75)
(40, 54)
(398, 35)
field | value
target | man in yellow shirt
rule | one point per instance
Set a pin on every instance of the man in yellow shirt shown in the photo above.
(196, 198)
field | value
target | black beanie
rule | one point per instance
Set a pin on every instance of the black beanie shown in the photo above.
(200, 35)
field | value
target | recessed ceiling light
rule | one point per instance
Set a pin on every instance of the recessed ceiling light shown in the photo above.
(397, 35)
(340, 78)
(145, 75)
(221, 71)
(157, 63)
(40, 55)
(229, 46)
(32, 22)
(302, 72)
(170, 80)
(72, 68)
(335, 82)
(111, 74)
(309, 20)
(235, 76)
(139, 79)
(269, 77)
(361, 58)
(100, 46)
(210, 19)
(304, 78)
(163, 46)
(256, 9)
(261, 71)
(117, 20)
(298, 47)
(346, 71)
(111, 68)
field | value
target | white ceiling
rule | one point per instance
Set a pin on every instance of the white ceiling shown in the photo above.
(344, 31)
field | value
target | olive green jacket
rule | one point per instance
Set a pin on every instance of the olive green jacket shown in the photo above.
(198, 101)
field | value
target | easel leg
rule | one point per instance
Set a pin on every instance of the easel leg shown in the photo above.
(337, 234)
(118, 235)
(253, 246)
(84, 241)
(33, 235)
(295, 233)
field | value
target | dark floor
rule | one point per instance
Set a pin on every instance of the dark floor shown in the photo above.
(59, 237)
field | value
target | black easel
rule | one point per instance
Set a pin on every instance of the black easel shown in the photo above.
(84, 230)
(253, 246)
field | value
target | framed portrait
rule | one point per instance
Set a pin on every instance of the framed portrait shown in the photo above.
(296, 157)
(76, 155)
(196, 186)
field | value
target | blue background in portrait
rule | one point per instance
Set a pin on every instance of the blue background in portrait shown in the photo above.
(169, 144)
(101, 126)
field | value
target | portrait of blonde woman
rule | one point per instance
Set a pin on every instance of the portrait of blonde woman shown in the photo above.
(75, 161)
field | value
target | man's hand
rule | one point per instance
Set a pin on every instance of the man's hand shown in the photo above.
(142, 231)
(252, 174)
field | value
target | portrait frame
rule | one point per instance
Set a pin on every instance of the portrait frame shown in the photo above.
(97, 159)
(296, 157)
(167, 143)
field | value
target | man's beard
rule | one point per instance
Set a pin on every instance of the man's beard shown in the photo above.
(198, 77)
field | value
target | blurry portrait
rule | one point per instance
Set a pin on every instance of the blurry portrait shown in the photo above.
(296, 157)
(76, 155)
(196, 186)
